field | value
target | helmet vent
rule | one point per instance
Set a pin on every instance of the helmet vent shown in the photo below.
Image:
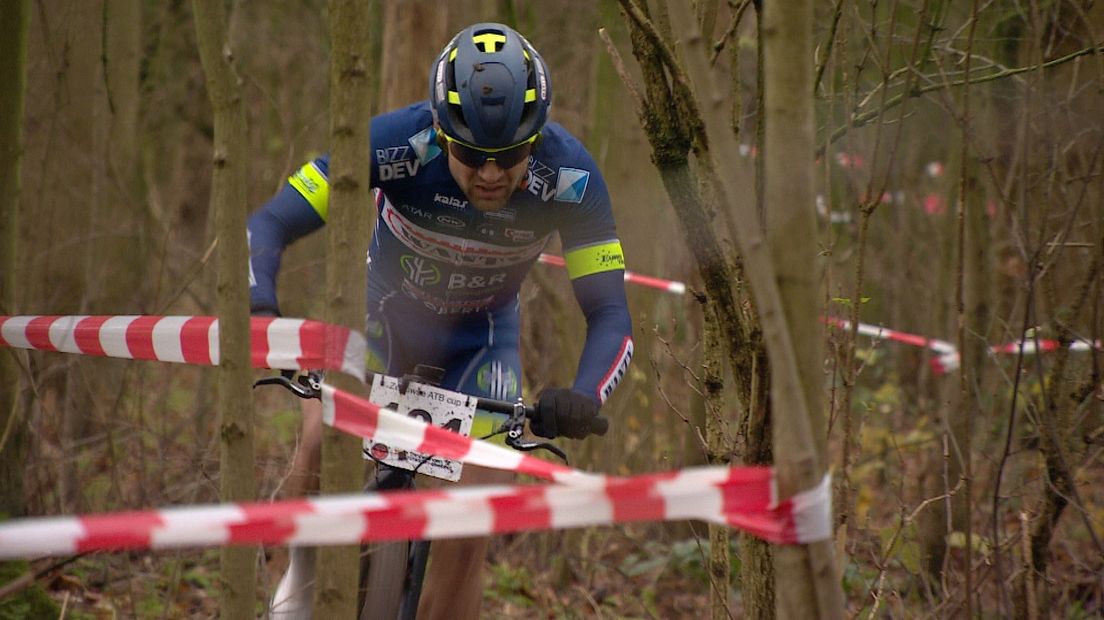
(489, 87)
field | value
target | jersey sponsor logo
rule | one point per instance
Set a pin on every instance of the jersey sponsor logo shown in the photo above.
(373, 329)
(539, 181)
(464, 281)
(392, 154)
(517, 235)
(450, 201)
(424, 145)
(486, 230)
(594, 258)
(399, 169)
(450, 221)
(617, 371)
(502, 215)
(497, 380)
(457, 251)
(416, 212)
(419, 270)
(309, 184)
(571, 184)
(438, 305)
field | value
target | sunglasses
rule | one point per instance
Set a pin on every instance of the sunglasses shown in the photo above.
(472, 157)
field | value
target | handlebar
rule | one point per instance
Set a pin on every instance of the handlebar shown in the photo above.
(309, 385)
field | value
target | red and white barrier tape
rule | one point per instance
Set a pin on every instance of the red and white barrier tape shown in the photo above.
(947, 358)
(951, 361)
(671, 286)
(360, 417)
(276, 343)
(738, 497)
(873, 331)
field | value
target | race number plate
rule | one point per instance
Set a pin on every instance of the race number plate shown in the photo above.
(432, 405)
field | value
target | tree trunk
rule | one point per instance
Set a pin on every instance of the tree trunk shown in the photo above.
(13, 74)
(717, 436)
(78, 206)
(407, 27)
(808, 585)
(349, 231)
(122, 202)
(228, 201)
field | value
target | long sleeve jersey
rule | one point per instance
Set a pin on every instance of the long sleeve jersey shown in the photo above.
(448, 260)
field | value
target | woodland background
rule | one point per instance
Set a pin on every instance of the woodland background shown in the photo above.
(959, 197)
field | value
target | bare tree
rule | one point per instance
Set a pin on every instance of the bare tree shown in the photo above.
(15, 434)
(807, 584)
(13, 73)
(229, 203)
(350, 227)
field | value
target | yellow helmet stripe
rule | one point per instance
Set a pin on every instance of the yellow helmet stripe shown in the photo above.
(454, 97)
(452, 55)
(530, 95)
(489, 41)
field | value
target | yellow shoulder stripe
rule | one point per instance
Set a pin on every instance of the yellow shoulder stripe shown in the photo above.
(594, 259)
(313, 185)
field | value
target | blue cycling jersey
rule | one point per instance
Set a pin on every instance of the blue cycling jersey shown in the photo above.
(436, 258)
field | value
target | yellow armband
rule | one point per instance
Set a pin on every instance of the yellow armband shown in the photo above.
(584, 261)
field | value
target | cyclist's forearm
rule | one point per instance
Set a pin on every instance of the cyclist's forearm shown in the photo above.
(282, 220)
(609, 345)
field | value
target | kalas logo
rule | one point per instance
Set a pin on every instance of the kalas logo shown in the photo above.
(450, 201)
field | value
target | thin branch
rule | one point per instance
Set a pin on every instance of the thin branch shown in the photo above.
(822, 62)
(860, 120)
(960, 305)
(640, 102)
(906, 520)
(28, 579)
(719, 46)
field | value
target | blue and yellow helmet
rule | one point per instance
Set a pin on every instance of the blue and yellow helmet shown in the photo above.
(489, 88)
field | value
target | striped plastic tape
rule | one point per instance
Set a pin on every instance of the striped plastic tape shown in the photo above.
(741, 497)
(276, 343)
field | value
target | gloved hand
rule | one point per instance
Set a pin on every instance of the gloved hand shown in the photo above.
(560, 411)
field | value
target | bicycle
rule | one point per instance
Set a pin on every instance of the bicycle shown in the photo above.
(391, 574)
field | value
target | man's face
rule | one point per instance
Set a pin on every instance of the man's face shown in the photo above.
(489, 186)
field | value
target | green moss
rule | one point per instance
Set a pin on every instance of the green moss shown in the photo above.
(30, 603)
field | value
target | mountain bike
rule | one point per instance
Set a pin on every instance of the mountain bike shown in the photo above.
(391, 574)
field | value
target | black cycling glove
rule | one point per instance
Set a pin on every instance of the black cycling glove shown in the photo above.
(560, 411)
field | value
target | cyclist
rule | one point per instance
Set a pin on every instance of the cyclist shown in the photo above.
(469, 186)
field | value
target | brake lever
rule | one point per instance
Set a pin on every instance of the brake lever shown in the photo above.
(514, 427)
(304, 386)
(528, 446)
